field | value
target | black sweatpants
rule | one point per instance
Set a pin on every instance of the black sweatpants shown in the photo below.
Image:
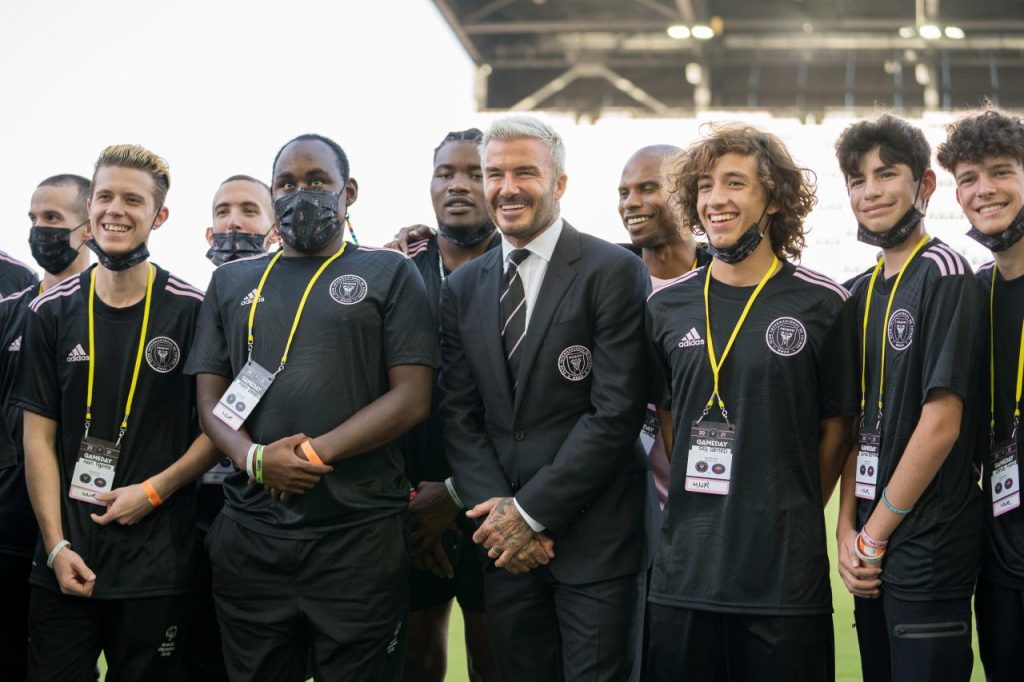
(14, 591)
(206, 656)
(341, 599)
(1000, 614)
(705, 646)
(909, 641)
(141, 638)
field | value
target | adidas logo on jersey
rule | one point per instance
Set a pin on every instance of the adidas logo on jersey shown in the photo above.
(691, 339)
(249, 298)
(15, 345)
(78, 354)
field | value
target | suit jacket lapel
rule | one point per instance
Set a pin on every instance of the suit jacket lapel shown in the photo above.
(557, 280)
(489, 312)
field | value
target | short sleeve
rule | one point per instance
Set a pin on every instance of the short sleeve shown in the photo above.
(838, 366)
(209, 353)
(952, 318)
(659, 390)
(37, 385)
(410, 333)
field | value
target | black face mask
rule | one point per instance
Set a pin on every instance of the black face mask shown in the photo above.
(234, 244)
(51, 247)
(898, 233)
(308, 219)
(121, 261)
(743, 247)
(1005, 239)
(466, 237)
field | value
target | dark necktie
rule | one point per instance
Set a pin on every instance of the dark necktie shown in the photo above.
(513, 313)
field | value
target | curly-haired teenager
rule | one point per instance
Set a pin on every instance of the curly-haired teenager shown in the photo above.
(984, 153)
(758, 356)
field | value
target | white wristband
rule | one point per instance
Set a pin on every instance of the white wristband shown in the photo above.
(55, 551)
(451, 492)
(248, 460)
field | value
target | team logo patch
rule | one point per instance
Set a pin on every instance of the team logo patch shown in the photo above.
(162, 354)
(901, 329)
(786, 336)
(575, 363)
(348, 289)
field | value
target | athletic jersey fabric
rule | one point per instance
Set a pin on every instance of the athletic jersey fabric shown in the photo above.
(366, 313)
(153, 557)
(934, 342)
(17, 522)
(761, 549)
(1003, 554)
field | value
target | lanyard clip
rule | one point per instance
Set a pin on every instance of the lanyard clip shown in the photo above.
(88, 425)
(120, 435)
(1013, 434)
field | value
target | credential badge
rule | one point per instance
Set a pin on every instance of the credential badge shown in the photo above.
(901, 329)
(162, 354)
(348, 289)
(575, 363)
(786, 336)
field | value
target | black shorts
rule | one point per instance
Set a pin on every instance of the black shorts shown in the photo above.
(1000, 614)
(341, 599)
(910, 640)
(141, 638)
(686, 644)
(427, 591)
(14, 591)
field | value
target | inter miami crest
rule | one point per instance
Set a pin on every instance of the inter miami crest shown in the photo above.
(348, 289)
(786, 336)
(162, 354)
(575, 363)
(901, 329)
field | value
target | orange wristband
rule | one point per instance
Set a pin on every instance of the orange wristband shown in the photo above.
(151, 493)
(307, 449)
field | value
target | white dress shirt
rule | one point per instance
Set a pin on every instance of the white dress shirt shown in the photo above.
(532, 271)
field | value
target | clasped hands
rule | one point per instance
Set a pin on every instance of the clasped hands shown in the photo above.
(509, 540)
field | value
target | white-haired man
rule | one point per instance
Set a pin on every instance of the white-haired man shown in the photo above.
(543, 395)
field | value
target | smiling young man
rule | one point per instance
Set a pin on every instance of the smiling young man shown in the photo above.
(331, 347)
(910, 526)
(757, 353)
(445, 563)
(110, 442)
(542, 399)
(984, 152)
(58, 213)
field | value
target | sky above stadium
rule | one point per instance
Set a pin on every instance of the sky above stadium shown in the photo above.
(216, 87)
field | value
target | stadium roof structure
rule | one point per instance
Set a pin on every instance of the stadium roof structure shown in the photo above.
(791, 57)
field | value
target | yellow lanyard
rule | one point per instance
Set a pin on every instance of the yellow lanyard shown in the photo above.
(716, 364)
(302, 302)
(992, 365)
(138, 354)
(885, 326)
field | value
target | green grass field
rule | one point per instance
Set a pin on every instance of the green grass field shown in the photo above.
(847, 659)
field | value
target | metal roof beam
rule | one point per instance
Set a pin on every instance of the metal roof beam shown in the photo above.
(453, 21)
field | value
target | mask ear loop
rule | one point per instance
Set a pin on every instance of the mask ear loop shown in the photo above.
(351, 231)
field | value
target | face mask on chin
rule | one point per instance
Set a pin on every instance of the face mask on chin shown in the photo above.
(1005, 239)
(234, 244)
(123, 261)
(466, 237)
(744, 246)
(51, 247)
(308, 219)
(898, 233)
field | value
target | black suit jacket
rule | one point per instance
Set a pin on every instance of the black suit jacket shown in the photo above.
(566, 444)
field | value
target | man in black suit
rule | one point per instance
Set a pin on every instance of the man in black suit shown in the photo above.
(543, 395)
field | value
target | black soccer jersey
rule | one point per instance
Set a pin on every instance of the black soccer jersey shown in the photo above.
(1003, 554)
(17, 522)
(424, 444)
(934, 340)
(760, 549)
(368, 312)
(15, 275)
(152, 557)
